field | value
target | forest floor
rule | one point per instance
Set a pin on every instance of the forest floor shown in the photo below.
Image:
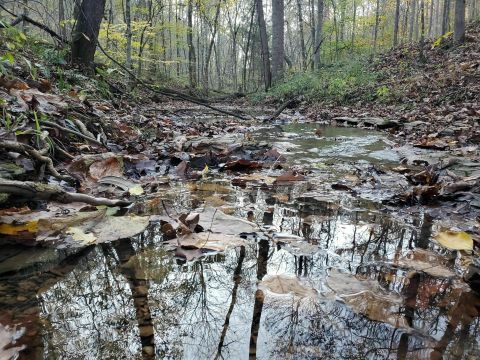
(79, 171)
(435, 100)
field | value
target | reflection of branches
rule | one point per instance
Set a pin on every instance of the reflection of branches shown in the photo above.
(236, 278)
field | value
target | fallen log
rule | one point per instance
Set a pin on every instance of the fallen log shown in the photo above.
(38, 191)
(282, 109)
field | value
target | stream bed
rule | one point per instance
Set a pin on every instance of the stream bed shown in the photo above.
(328, 274)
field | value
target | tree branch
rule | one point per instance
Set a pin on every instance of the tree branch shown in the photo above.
(38, 191)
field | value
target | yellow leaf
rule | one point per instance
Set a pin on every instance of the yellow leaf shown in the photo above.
(136, 190)
(11, 229)
(455, 240)
(79, 235)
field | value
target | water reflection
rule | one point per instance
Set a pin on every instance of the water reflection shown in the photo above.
(133, 299)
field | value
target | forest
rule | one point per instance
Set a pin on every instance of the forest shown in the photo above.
(225, 179)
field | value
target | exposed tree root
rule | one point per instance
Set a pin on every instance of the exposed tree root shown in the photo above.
(39, 191)
(36, 155)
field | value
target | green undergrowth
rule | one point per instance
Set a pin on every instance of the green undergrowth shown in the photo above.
(340, 82)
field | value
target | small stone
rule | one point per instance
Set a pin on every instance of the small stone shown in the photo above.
(148, 350)
(146, 330)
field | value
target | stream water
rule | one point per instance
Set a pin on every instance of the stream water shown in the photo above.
(358, 284)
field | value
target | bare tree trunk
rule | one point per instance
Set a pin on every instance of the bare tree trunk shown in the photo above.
(422, 31)
(61, 19)
(267, 72)
(247, 48)
(430, 21)
(318, 33)
(375, 31)
(85, 38)
(128, 35)
(459, 30)
(396, 23)
(413, 16)
(354, 23)
(302, 35)
(278, 39)
(206, 70)
(312, 30)
(446, 17)
(191, 49)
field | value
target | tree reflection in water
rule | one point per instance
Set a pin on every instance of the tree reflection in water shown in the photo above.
(133, 299)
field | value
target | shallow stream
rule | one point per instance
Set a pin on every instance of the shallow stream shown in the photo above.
(327, 276)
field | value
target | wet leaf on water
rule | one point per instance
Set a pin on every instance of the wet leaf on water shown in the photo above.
(136, 190)
(367, 298)
(7, 338)
(16, 229)
(91, 227)
(217, 221)
(455, 240)
(80, 236)
(290, 176)
(426, 261)
(286, 285)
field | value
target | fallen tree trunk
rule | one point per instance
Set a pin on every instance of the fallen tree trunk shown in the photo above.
(38, 191)
(282, 109)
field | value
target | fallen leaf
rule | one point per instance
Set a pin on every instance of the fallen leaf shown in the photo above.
(455, 240)
(286, 285)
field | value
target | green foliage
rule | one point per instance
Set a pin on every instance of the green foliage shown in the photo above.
(335, 83)
(441, 39)
(383, 93)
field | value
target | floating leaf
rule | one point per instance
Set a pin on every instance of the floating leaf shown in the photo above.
(80, 236)
(455, 240)
(13, 229)
(136, 190)
(286, 285)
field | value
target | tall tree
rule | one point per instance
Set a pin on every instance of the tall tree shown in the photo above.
(192, 59)
(262, 27)
(278, 39)
(459, 28)
(210, 47)
(375, 30)
(318, 33)
(128, 35)
(396, 23)
(302, 35)
(85, 36)
(413, 17)
(61, 19)
(446, 16)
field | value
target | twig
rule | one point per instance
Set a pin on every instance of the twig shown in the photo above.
(24, 148)
(77, 133)
(38, 191)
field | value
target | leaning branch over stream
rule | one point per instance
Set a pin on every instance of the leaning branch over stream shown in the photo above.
(38, 191)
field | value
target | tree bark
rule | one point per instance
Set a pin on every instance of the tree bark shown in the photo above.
(413, 16)
(396, 23)
(61, 19)
(210, 48)
(446, 17)
(459, 29)
(128, 35)
(192, 59)
(85, 37)
(267, 72)
(302, 35)
(278, 39)
(318, 33)
(375, 31)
